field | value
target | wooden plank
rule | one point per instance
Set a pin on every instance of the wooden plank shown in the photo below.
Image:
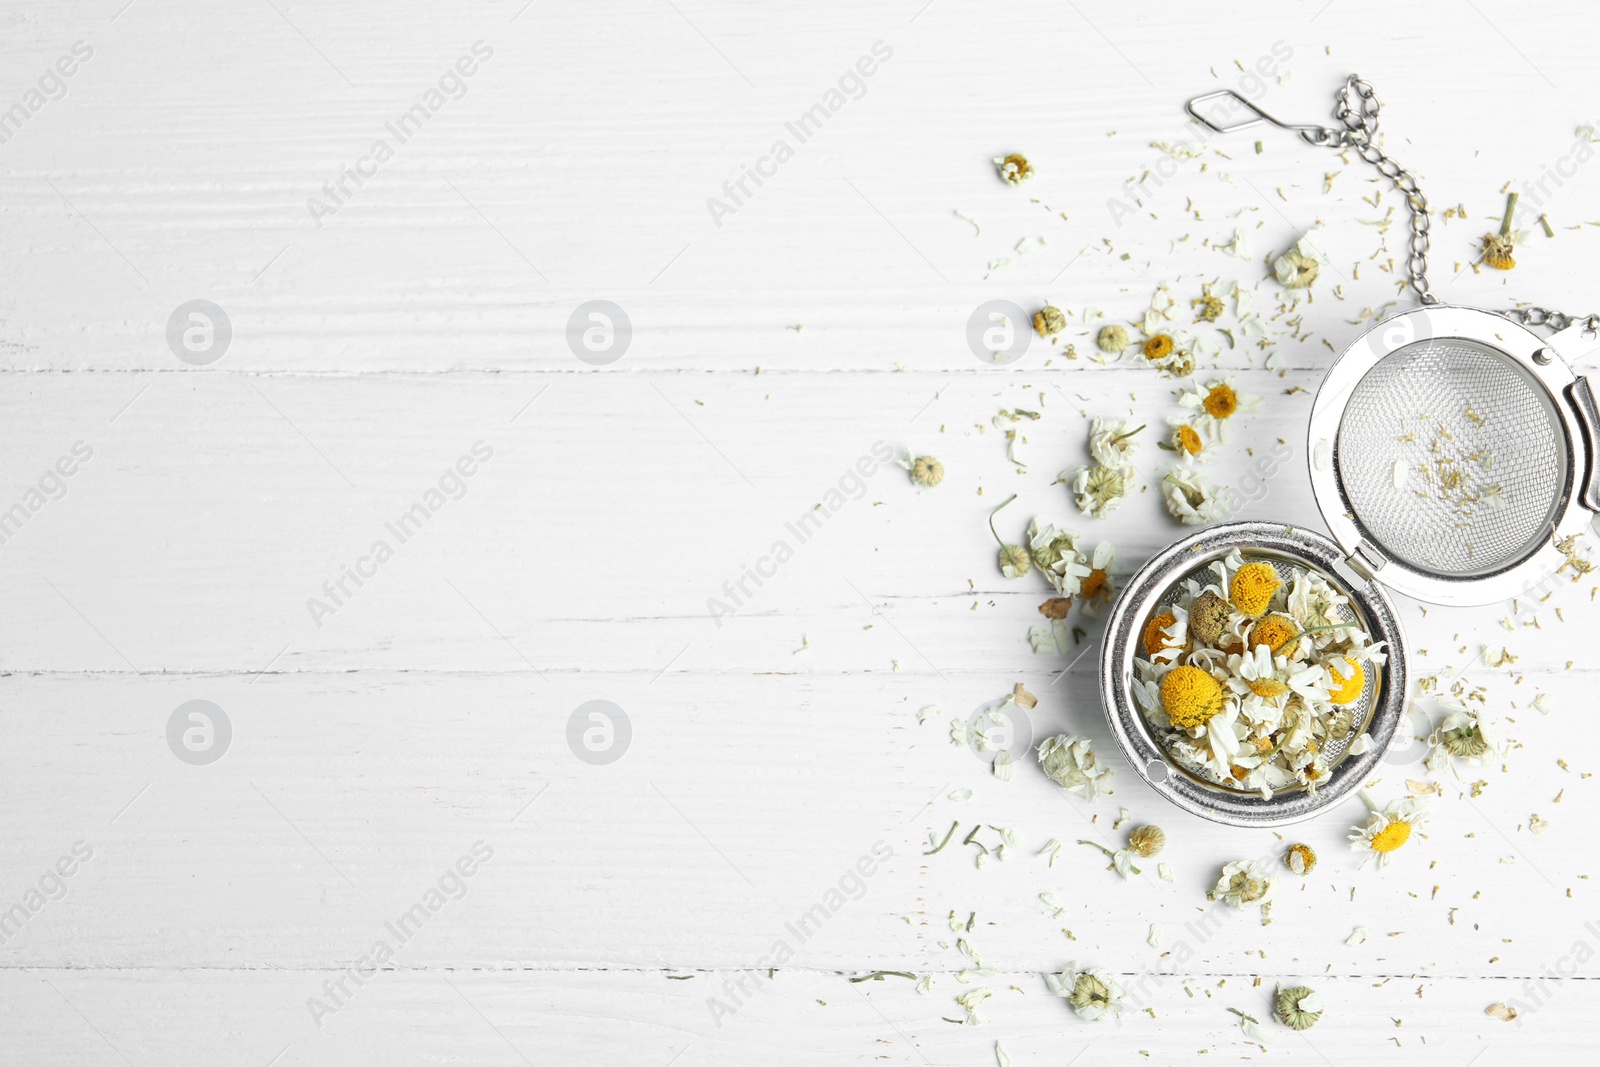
(468, 1016)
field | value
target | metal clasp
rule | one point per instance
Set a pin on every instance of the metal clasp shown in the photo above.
(1316, 135)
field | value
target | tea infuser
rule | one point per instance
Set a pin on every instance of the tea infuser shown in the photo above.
(1452, 453)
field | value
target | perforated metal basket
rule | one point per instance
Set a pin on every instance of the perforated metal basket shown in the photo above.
(1451, 449)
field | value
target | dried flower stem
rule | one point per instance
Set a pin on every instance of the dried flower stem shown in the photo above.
(995, 512)
(1110, 855)
(947, 838)
(1511, 210)
(1123, 436)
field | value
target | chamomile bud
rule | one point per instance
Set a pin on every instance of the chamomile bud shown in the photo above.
(1298, 1007)
(1049, 321)
(1112, 340)
(1146, 841)
(1015, 561)
(926, 471)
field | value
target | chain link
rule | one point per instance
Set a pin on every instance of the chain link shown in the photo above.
(1556, 320)
(1357, 106)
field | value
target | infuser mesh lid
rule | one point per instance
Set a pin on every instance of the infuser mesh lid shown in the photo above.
(1452, 458)
(1443, 456)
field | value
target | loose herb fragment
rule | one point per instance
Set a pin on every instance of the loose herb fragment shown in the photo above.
(878, 976)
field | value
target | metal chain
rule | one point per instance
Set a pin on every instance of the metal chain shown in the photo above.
(1357, 107)
(1556, 320)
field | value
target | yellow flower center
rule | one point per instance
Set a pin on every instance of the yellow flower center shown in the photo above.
(1189, 440)
(1158, 347)
(1097, 583)
(1346, 690)
(1252, 588)
(1221, 401)
(1155, 638)
(1268, 687)
(1391, 837)
(1274, 631)
(1190, 696)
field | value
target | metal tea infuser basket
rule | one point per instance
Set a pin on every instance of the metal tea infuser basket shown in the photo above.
(1452, 453)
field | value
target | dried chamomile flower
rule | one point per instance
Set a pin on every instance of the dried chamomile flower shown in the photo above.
(1216, 405)
(1275, 631)
(1014, 169)
(1498, 247)
(1112, 340)
(1014, 559)
(1346, 680)
(1252, 588)
(1299, 266)
(1014, 562)
(1295, 270)
(1095, 590)
(1112, 441)
(1190, 696)
(1146, 841)
(1159, 347)
(1297, 1007)
(1056, 555)
(1300, 859)
(1185, 441)
(1244, 884)
(1189, 498)
(1209, 616)
(1164, 636)
(1462, 735)
(1049, 321)
(1097, 490)
(1387, 829)
(1071, 763)
(1093, 993)
(925, 470)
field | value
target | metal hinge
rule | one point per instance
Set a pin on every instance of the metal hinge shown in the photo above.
(1366, 561)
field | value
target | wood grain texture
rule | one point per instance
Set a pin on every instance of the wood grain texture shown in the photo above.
(424, 712)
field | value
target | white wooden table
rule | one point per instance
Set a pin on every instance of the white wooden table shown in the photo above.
(383, 332)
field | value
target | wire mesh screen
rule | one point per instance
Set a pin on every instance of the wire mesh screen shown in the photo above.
(1452, 458)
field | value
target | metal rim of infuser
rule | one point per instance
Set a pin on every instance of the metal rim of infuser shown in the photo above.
(1156, 581)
